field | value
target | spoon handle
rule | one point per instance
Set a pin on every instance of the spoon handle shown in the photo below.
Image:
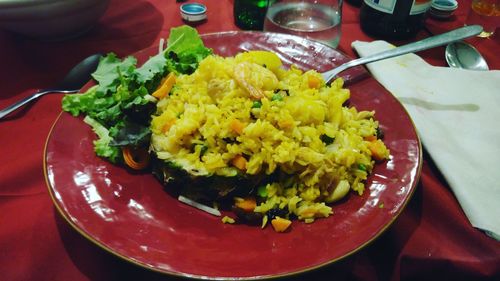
(11, 108)
(431, 42)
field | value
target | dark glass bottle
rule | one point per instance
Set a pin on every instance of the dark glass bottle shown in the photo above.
(393, 19)
(250, 14)
(355, 3)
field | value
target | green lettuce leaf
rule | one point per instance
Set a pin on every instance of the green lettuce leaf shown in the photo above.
(132, 134)
(185, 50)
(184, 38)
(153, 67)
(79, 103)
(111, 71)
(102, 145)
(119, 107)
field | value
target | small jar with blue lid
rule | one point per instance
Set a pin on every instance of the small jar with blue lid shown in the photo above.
(193, 12)
(443, 9)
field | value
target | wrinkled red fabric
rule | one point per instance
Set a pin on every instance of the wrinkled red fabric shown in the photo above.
(431, 240)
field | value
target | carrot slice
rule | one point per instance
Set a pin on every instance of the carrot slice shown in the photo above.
(313, 82)
(248, 204)
(239, 162)
(370, 138)
(280, 224)
(168, 125)
(135, 158)
(165, 87)
(237, 126)
(378, 150)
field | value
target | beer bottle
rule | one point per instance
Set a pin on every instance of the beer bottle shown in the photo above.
(250, 14)
(393, 19)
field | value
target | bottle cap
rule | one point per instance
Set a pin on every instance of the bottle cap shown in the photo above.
(443, 9)
(193, 12)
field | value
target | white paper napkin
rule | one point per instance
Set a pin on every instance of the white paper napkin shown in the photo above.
(457, 116)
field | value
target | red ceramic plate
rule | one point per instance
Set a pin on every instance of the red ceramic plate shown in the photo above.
(131, 216)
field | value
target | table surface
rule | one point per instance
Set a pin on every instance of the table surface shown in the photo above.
(431, 240)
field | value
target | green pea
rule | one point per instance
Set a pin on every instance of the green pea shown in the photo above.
(257, 104)
(277, 97)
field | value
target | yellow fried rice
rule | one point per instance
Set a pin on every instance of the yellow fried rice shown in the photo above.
(279, 119)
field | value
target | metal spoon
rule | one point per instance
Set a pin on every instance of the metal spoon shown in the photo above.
(72, 83)
(462, 55)
(431, 42)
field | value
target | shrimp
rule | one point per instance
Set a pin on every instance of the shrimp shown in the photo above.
(255, 79)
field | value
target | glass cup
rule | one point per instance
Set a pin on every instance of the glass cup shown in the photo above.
(314, 19)
(485, 13)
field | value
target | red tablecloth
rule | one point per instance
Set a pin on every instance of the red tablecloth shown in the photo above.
(431, 240)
